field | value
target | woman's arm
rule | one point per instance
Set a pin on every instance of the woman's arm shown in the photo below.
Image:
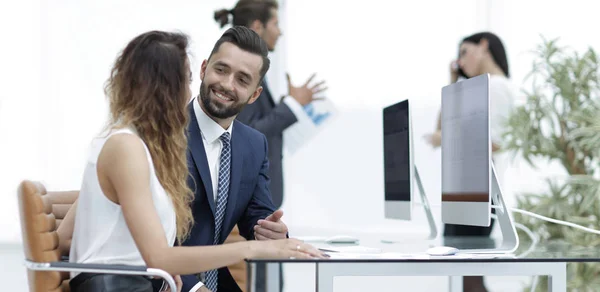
(435, 139)
(124, 175)
(65, 231)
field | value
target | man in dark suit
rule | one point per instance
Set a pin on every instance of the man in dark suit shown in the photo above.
(227, 160)
(269, 114)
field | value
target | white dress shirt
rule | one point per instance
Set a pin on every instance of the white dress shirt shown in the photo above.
(211, 132)
(294, 106)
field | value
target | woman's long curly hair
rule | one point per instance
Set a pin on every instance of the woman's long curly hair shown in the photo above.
(149, 90)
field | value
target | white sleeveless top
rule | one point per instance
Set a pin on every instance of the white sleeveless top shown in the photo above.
(503, 95)
(101, 235)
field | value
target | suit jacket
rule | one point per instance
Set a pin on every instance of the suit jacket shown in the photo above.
(249, 198)
(270, 119)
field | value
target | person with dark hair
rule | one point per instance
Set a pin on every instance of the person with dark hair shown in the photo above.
(482, 53)
(270, 115)
(227, 160)
(135, 204)
(259, 15)
(479, 54)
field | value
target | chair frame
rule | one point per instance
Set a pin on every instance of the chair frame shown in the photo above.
(64, 266)
(102, 269)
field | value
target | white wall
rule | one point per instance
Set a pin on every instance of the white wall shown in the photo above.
(72, 44)
(375, 53)
(372, 54)
(59, 55)
(20, 118)
(522, 22)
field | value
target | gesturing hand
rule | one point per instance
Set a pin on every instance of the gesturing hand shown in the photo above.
(305, 94)
(271, 227)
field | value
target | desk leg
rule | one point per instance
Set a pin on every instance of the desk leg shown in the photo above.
(456, 283)
(557, 280)
(251, 277)
(324, 276)
(273, 279)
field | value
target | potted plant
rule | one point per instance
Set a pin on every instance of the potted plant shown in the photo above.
(559, 123)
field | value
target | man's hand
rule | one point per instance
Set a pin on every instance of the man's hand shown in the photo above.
(271, 227)
(306, 93)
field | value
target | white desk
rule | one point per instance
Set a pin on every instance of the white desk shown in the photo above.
(543, 262)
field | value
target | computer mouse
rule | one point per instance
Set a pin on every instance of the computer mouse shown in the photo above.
(442, 251)
(342, 239)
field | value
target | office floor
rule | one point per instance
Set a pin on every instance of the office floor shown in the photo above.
(13, 274)
(298, 278)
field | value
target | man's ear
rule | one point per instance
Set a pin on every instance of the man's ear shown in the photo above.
(257, 26)
(255, 95)
(203, 69)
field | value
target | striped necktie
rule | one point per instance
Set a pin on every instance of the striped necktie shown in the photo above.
(222, 194)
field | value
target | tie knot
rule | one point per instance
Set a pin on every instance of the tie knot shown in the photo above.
(225, 138)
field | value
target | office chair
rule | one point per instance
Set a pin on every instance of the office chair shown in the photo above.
(40, 213)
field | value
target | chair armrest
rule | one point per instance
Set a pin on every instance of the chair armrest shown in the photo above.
(102, 269)
(118, 268)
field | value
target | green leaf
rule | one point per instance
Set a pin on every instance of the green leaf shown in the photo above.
(560, 122)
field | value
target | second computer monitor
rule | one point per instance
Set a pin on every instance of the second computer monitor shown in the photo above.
(398, 161)
(466, 152)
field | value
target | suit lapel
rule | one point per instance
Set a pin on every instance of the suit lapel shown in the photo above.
(236, 175)
(199, 154)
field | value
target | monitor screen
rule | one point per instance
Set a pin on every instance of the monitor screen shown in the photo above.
(466, 152)
(396, 152)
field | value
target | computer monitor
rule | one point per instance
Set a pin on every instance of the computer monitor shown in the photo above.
(469, 183)
(466, 153)
(398, 161)
(400, 172)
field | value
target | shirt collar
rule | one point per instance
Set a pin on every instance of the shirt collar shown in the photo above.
(211, 130)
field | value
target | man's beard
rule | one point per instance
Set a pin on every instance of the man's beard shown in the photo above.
(217, 110)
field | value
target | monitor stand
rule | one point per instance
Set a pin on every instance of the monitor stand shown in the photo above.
(510, 239)
(425, 202)
(432, 227)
